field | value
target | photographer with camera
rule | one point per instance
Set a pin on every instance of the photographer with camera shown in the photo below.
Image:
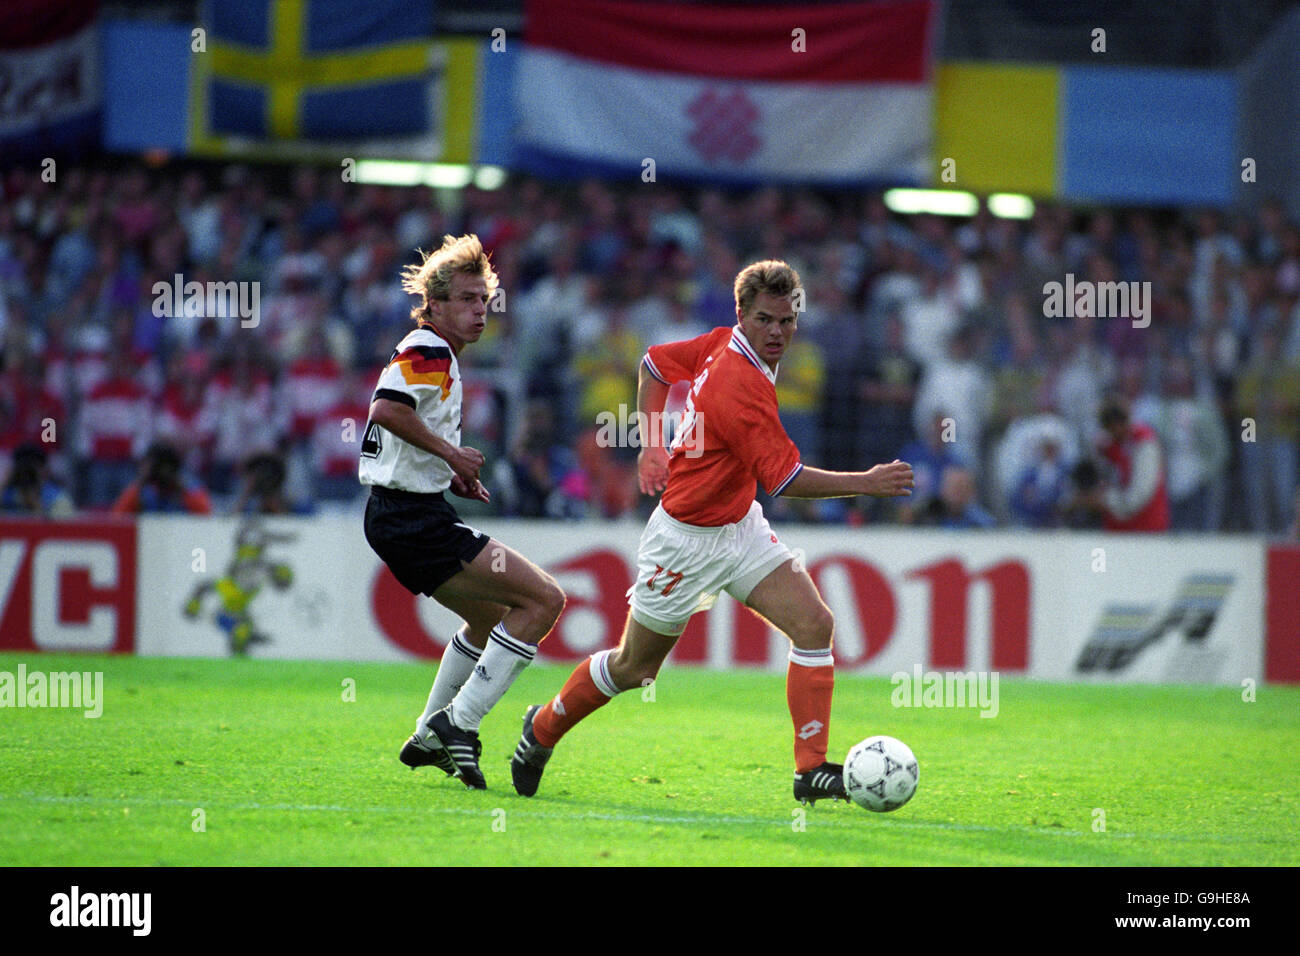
(162, 487)
(30, 490)
(1129, 490)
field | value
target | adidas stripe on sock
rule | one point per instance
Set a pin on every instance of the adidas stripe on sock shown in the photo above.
(457, 664)
(501, 662)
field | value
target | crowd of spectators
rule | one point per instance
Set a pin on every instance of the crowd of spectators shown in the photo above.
(924, 338)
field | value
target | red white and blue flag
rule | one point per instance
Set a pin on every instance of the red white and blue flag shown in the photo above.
(827, 93)
(50, 89)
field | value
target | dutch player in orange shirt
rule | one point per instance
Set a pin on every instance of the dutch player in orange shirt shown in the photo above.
(708, 534)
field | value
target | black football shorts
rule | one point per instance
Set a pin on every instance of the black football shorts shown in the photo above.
(420, 537)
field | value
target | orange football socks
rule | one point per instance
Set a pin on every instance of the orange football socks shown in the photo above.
(809, 681)
(588, 688)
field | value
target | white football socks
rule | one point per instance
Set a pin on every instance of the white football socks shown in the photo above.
(458, 662)
(500, 663)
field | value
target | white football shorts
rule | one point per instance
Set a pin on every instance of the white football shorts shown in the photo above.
(682, 568)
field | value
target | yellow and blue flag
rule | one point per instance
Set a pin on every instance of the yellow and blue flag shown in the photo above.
(318, 69)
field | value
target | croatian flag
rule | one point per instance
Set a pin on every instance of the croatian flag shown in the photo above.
(837, 93)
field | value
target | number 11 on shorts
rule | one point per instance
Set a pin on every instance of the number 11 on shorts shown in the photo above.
(675, 575)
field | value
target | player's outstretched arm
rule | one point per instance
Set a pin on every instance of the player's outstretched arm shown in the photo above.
(883, 481)
(403, 422)
(652, 461)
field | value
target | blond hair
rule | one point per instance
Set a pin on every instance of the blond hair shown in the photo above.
(771, 276)
(431, 279)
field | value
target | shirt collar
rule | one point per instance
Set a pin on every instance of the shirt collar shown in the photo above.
(741, 344)
(438, 332)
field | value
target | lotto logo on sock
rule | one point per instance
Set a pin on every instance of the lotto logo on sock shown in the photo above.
(810, 729)
(558, 705)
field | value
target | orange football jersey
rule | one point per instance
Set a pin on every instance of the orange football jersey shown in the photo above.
(730, 437)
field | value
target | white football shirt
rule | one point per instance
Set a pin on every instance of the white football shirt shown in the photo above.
(424, 374)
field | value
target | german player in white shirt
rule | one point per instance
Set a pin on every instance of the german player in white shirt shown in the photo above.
(411, 455)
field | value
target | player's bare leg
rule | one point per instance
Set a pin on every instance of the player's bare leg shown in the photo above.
(789, 600)
(593, 683)
(479, 617)
(501, 575)
(498, 578)
(639, 656)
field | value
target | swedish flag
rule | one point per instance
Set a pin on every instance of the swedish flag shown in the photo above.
(319, 69)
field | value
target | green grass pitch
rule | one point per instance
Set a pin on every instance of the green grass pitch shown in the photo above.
(285, 771)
